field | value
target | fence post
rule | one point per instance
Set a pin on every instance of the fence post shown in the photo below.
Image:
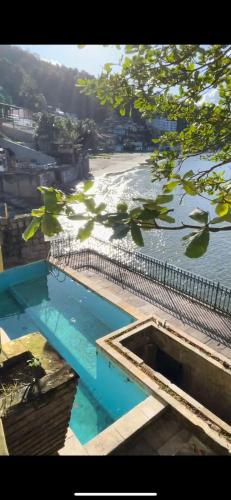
(88, 259)
(215, 303)
(165, 269)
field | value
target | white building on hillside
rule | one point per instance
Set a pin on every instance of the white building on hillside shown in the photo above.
(163, 124)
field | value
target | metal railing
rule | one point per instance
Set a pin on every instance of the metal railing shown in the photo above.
(124, 267)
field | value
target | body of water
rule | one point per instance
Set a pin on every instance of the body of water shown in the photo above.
(162, 244)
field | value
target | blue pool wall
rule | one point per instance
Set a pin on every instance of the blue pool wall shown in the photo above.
(18, 274)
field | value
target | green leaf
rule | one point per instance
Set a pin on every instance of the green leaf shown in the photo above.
(117, 218)
(222, 209)
(32, 228)
(85, 232)
(107, 67)
(155, 209)
(188, 174)
(166, 218)
(137, 235)
(189, 188)
(43, 189)
(135, 212)
(50, 225)
(225, 218)
(217, 220)
(191, 67)
(100, 208)
(147, 214)
(189, 236)
(127, 63)
(120, 232)
(90, 204)
(69, 211)
(143, 200)
(164, 198)
(199, 215)
(38, 212)
(122, 111)
(122, 207)
(80, 197)
(53, 199)
(170, 186)
(77, 217)
(88, 185)
(198, 244)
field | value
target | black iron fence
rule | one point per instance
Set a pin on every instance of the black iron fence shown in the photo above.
(137, 271)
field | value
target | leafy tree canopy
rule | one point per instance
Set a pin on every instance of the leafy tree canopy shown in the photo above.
(82, 133)
(171, 81)
(34, 83)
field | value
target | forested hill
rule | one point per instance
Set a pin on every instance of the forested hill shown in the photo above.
(33, 83)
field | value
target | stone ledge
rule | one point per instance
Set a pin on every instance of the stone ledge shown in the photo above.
(126, 426)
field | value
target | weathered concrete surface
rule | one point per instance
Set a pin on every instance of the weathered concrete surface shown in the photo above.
(39, 427)
(24, 185)
(204, 378)
(164, 436)
(68, 174)
(15, 250)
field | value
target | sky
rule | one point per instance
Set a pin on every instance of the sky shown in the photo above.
(90, 58)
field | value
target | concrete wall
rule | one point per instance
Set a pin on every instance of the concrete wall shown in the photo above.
(203, 380)
(21, 185)
(15, 250)
(24, 185)
(68, 175)
(71, 173)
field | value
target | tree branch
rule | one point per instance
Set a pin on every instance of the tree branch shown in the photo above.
(187, 226)
(206, 172)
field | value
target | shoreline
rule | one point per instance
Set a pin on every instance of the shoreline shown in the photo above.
(117, 163)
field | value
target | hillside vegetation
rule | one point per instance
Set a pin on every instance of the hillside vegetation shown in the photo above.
(33, 83)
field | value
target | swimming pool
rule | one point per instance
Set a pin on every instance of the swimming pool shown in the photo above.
(40, 297)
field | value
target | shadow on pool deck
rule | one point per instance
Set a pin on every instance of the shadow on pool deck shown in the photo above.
(217, 326)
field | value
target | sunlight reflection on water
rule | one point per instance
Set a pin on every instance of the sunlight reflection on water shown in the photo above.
(163, 245)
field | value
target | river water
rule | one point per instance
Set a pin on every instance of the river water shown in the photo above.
(162, 244)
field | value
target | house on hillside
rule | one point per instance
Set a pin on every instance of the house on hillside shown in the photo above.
(163, 124)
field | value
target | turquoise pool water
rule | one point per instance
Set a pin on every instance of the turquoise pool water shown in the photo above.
(72, 317)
